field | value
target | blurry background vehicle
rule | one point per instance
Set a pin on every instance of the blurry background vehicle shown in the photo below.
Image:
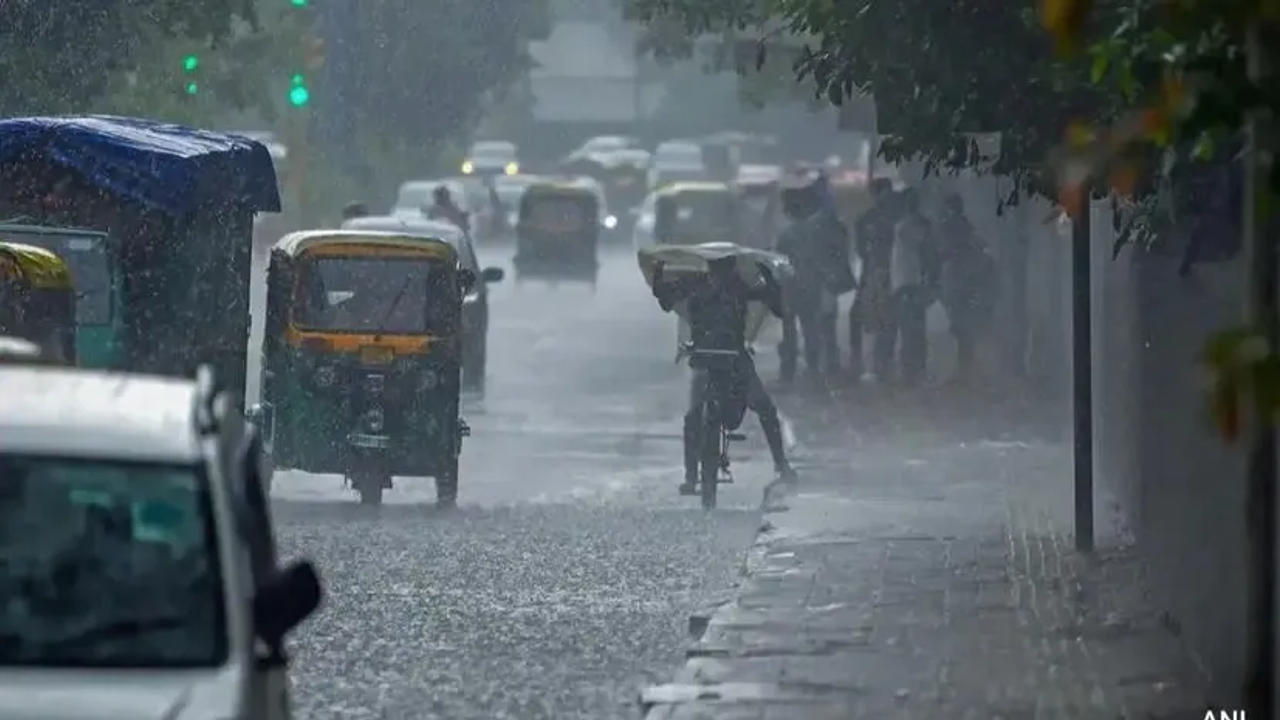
(491, 157)
(38, 299)
(602, 144)
(475, 304)
(676, 161)
(147, 498)
(692, 213)
(416, 195)
(510, 188)
(558, 232)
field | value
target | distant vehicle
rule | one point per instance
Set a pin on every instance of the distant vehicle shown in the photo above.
(416, 195)
(151, 492)
(475, 304)
(558, 232)
(510, 189)
(601, 144)
(676, 161)
(689, 213)
(492, 157)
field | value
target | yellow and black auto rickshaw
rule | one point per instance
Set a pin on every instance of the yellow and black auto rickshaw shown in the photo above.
(361, 358)
(557, 232)
(38, 300)
(691, 213)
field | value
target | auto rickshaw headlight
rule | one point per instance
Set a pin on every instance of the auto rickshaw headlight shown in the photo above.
(326, 376)
(429, 380)
(512, 168)
(374, 384)
(468, 168)
(610, 222)
(374, 419)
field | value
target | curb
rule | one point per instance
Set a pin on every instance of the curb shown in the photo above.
(773, 500)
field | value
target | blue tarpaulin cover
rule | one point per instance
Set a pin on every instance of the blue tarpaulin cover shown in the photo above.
(164, 166)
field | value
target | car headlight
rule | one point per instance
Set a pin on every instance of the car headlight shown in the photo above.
(611, 222)
(326, 376)
(468, 167)
(512, 168)
(429, 380)
(374, 419)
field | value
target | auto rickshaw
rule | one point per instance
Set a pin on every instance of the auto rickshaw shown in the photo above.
(557, 232)
(362, 356)
(37, 300)
(692, 213)
(98, 283)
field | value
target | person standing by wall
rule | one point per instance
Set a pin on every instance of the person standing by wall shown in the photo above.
(914, 276)
(870, 312)
(969, 282)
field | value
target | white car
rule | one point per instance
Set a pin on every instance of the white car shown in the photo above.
(602, 144)
(140, 572)
(676, 161)
(415, 195)
(492, 157)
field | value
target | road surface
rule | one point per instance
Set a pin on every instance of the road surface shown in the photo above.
(563, 582)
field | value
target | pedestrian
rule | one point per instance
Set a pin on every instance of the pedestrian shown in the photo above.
(812, 243)
(871, 309)
(914, 272)
(969, 282)
(444, 208)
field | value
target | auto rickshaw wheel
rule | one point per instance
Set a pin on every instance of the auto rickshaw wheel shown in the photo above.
(447, 485)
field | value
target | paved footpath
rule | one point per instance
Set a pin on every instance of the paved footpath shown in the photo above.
(914, 573)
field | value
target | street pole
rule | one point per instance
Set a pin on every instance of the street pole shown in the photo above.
(1261, 314)
(1082, 372)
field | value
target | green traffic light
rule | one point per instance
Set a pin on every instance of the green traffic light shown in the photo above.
(299, 96)
(192, 88)
(298, 80)
(190, 63)
(299, 3)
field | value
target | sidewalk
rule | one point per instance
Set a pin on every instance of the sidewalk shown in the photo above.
(915, 574)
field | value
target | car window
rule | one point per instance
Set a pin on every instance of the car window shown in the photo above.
(104, 563)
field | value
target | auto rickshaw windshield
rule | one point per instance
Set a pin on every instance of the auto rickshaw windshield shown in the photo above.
(396, 295)
(558, 213)
(87, 261)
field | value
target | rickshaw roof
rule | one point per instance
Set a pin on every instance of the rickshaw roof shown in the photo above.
(567, 186)
(164, 166)
(297, 243)
(27, 229)
(43, 268)
(693, 186)
(400, 224)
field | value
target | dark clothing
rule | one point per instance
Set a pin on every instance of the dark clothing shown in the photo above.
(911, 306)
(915, 272)
(872, 309)
(757, 400)
(717, 312)
(451, 213)
(818, 250)
(968, 286)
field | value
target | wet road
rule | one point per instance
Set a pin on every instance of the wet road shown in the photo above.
(563, 582)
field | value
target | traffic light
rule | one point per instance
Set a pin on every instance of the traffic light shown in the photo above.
(191, 63)
(299, 95)
(299, 3)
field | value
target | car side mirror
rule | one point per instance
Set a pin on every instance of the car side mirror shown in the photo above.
(287, 598)
(466, 280)
(492, 274)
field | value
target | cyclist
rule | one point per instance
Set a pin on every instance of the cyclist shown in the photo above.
(717, 311)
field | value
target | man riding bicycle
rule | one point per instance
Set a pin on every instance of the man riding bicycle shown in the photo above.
(717, 313)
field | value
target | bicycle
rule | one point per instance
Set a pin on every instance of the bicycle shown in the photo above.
(721, 413)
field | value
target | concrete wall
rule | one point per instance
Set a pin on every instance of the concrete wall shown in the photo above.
(1163, 476)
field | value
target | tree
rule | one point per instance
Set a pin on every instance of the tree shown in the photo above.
(67, 56)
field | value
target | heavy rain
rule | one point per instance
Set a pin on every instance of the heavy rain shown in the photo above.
(655, 359)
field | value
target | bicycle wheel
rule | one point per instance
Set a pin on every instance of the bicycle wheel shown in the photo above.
(709, 454)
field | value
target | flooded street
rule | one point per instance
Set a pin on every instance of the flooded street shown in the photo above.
(563, 583)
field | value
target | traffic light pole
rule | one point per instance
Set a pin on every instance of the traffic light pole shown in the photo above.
(1082, 371)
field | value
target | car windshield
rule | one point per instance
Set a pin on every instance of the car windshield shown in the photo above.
(697, 214)
(86, 259)
(108, 564)
(373, 295)
(679, 155)
(493, 151)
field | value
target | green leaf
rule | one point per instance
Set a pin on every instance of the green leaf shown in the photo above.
(1101, 61)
